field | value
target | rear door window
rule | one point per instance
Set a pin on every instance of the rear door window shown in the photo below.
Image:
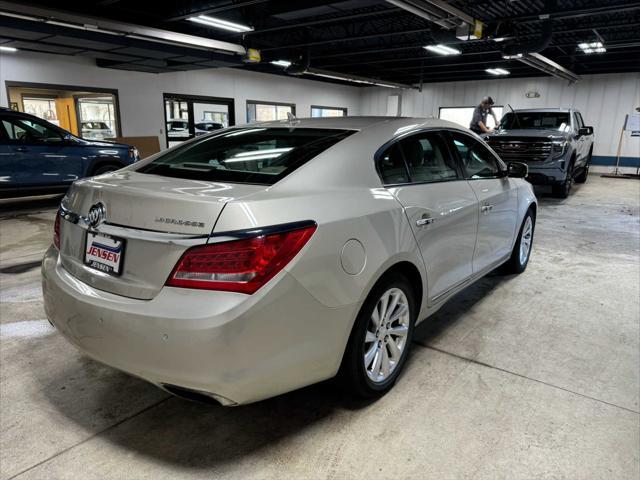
(427, 159)
(249, 155)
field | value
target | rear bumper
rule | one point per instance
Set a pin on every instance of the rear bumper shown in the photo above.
(235, 347)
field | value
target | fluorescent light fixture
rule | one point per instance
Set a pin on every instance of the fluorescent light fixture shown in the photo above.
(281, 63)
(592, 47)
(513, 57)
(497, 71)
(354, 80)
(443, 50)
(8, 49)
(221, 24)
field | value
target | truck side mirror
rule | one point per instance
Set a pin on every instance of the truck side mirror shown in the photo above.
(517, 170)
(585, 131)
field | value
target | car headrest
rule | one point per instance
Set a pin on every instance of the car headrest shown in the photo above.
(413, 152)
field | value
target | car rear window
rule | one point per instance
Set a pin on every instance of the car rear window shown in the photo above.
(248, 155)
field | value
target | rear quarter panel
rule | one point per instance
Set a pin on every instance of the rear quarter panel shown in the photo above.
(372, 217)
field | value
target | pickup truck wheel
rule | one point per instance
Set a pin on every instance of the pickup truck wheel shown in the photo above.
(522, 249)
(381, 338)
(582, 178)
(562, 190)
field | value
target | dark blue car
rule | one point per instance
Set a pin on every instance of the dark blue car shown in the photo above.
(37, 157)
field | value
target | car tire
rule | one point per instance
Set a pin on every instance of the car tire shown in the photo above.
(521, 253)
(582, 178)
(562, 190)
(369, 368)
(105, 169)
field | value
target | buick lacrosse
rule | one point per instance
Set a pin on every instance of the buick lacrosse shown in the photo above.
(259, 259)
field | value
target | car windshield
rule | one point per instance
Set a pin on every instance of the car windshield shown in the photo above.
(247, 155)
(536, 120)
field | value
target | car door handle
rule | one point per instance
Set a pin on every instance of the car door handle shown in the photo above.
(22, 149)
(486, 208)
(424, 221)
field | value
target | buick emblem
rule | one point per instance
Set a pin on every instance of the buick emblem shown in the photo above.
(97, 214)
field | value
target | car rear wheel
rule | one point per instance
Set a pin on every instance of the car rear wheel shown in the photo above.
(522, 249)
(381, 338)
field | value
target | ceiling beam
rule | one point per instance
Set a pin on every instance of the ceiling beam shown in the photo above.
(312, 23)
(219, 8)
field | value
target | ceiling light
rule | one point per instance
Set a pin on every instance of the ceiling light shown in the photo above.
(497, 71)
(8, 49)
(443, 50)
(219, 23)
(592, 47)
(499, 39)
(354, 80)
(281, 63)
(512, 57)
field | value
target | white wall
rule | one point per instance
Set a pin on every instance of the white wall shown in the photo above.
(140, 94)
(602, 99)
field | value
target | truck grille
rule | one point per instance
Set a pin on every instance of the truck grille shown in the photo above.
(521, 150)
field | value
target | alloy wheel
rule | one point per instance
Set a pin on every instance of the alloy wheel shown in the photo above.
(525, 241)
(386, 335)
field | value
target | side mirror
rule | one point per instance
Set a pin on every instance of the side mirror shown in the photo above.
(585, 131)
(517, 170)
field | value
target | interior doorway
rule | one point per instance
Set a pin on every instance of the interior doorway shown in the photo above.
(188, 116)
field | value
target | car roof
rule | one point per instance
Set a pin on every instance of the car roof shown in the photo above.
(559, 110)
(393, 124)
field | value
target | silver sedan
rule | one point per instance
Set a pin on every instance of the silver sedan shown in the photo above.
(263, 258)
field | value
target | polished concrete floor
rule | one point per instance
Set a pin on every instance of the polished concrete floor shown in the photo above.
(519, 377)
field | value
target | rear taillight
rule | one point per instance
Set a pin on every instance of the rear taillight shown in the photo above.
(56, 231)
(240, 265)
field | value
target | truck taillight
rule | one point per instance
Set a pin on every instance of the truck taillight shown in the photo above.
(242, 265)
(56, 231)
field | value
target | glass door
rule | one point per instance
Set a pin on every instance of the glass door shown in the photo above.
(189, 116)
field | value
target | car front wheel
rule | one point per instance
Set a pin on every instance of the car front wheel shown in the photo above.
(381, 338)
(522, 249)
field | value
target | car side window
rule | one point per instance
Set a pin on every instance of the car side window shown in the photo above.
(427, 159)
(24, 130)
(578, 121)
(477, 160)
(392, 167)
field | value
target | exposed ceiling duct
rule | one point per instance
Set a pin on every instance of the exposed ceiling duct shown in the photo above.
(534, 46)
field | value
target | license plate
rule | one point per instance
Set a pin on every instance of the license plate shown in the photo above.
(104, 253)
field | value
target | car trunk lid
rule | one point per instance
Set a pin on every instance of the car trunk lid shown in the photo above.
(149, 222)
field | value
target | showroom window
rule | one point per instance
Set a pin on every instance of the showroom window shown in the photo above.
(188, 116)
(463, 115)
(268, 111)
(328, 111)
(87, 112)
